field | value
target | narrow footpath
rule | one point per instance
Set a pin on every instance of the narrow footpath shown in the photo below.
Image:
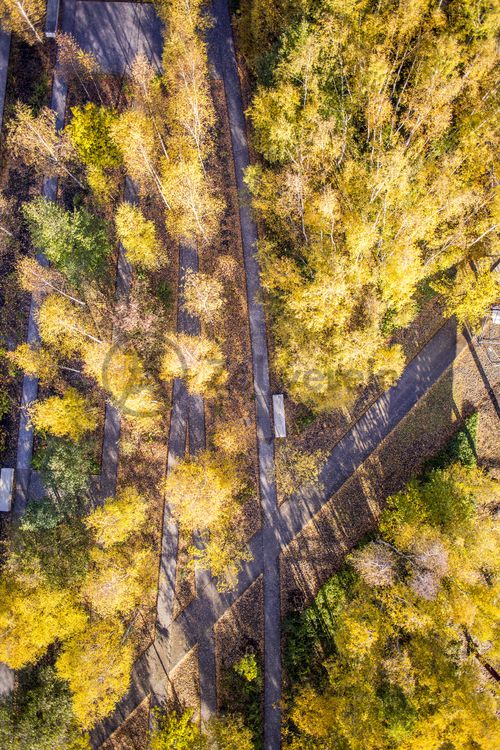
(4, 69)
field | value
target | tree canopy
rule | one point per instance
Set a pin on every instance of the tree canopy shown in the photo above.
(411, 635)
(378, 151)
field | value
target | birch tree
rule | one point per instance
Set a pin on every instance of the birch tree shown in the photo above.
(37, 142)
(23, 17)
(377, 175)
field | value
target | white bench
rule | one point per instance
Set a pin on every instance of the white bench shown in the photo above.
(6, 490)
(279, 415)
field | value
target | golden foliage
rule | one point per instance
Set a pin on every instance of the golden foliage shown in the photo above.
(379, 151)
(197, 359)
(138, 237)
(32, 615)
(97, 666)
(119, 518)
(35, 362)
(64, 416)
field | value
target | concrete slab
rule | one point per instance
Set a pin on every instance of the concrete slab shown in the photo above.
(115, 33)
(6, 680)
(51, 18)
(6, 490)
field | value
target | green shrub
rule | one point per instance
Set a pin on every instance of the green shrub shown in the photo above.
(4, 404)
(76, 242)
(308, 635)
(461, 447)
(163, 291)
(243, 686)
(38, 715)
(248, 667)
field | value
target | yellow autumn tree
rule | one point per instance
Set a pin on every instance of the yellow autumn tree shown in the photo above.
(69, 415)
(36, 140)
(23, 17)
(194, 202)
(197, 359)
(63, 326)
(35, 361)
(119, 518)
(204, 494)
(97, 665)
(134, 135)
(470, 297)
(203, 296)
(33, 614)
(118, 580)
(121, 373)
(201, 490)
(139, 238)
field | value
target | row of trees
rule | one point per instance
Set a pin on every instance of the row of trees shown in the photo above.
(407, 655)
(378, 154)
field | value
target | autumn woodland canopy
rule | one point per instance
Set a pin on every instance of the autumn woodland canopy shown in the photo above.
(374, 137)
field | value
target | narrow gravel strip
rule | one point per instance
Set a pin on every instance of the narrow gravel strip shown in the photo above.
(223, 60)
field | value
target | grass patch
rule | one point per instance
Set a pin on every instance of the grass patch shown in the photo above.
(308, 635)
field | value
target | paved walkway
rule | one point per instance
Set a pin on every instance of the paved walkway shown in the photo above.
(110, 454)
(116, 32)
